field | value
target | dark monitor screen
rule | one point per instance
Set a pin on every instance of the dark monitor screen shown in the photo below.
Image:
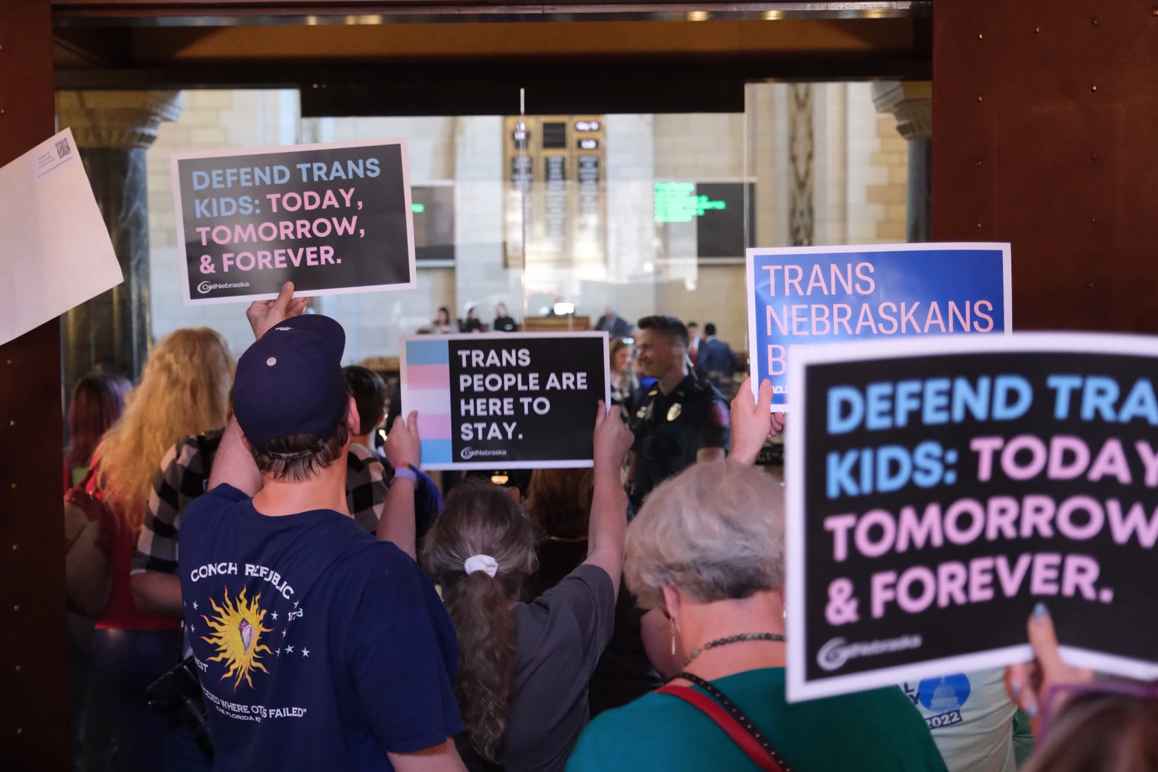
(554, 136)
(432, 207)
(719, 210)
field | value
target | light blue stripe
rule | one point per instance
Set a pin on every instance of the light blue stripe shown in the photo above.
(427, 352)
(437, 452)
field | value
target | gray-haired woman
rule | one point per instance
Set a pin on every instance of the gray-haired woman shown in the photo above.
(708, 549)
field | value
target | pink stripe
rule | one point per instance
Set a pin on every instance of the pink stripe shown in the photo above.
(428, 376)
(434, 427)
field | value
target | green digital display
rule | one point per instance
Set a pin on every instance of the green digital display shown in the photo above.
(679, 202)
(722, 214)
(418, 208)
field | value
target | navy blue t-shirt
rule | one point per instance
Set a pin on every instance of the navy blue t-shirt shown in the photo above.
(318, 647)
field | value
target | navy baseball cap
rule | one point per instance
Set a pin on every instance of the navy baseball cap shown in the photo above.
(290, 381)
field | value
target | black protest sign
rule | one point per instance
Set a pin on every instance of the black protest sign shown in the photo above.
(506, 401)
(939, 489)
(330, 218)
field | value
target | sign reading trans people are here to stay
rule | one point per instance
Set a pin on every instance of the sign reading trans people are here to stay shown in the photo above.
(804, 295)
(939, 489)
(506, 400)
(330, 218)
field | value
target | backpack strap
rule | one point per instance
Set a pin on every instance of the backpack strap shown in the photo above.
(728, 716)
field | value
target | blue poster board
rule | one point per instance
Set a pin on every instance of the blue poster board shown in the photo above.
(799, 295)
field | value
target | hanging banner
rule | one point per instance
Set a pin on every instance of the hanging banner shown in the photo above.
(330, 218)
(802, 295)
(939, 489)
(56, 248)
(506, 400)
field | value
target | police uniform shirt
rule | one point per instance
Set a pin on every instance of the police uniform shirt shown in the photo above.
(670, 429)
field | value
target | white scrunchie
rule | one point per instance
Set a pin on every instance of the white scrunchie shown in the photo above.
(484, 563)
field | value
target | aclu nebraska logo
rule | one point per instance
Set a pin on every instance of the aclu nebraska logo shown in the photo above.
(836, 653)
(206, 287)
(466, 454)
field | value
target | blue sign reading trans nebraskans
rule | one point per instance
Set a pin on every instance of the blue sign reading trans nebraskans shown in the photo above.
(830, 294)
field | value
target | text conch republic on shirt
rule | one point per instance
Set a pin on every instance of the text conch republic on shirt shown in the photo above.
(256, 571)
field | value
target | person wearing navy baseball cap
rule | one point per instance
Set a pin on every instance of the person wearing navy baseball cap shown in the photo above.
(317, 645)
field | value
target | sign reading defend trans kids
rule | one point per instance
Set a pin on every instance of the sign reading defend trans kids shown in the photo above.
(506, 400)
(801, 295)
(330, 218)
(939, 489)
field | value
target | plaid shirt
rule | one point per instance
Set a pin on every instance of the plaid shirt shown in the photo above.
(366, 486)
(184, 476)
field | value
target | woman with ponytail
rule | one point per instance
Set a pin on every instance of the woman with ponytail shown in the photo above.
(524, 666)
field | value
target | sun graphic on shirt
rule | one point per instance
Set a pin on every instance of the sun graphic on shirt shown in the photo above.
(237, 629)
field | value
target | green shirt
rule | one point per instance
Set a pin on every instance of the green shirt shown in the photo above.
(878, 730)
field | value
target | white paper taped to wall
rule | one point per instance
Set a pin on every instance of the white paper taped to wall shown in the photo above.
(55, 251)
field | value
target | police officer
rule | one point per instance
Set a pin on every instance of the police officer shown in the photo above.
(679, 420)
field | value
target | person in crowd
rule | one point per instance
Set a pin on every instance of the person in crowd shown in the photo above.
(694, 341)
(288, 603)
(471, 323)
(369, 393)
(681, 419)
(971, 717)
(559, 504)
(97, 402)
(183, 477)
(1103, 732)
(442, 324)
(613, 324)
(1082, 721)
(504, 322)
(677, 420)
(525, 666)
(512, 482)
(184, 389)
(427, 496)
(646, 382)
(716, 359)
(712, 560)
(624, 384)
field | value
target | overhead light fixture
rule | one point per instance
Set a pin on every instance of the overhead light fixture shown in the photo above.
(698, 16)
(773, 15)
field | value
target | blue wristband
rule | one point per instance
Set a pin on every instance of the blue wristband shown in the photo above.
(406, 473)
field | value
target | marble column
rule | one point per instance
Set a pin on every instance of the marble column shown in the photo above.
(911, 102)
(113, 130)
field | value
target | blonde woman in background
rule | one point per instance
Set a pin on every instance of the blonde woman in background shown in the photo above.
(623, 380)
(184, 390)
